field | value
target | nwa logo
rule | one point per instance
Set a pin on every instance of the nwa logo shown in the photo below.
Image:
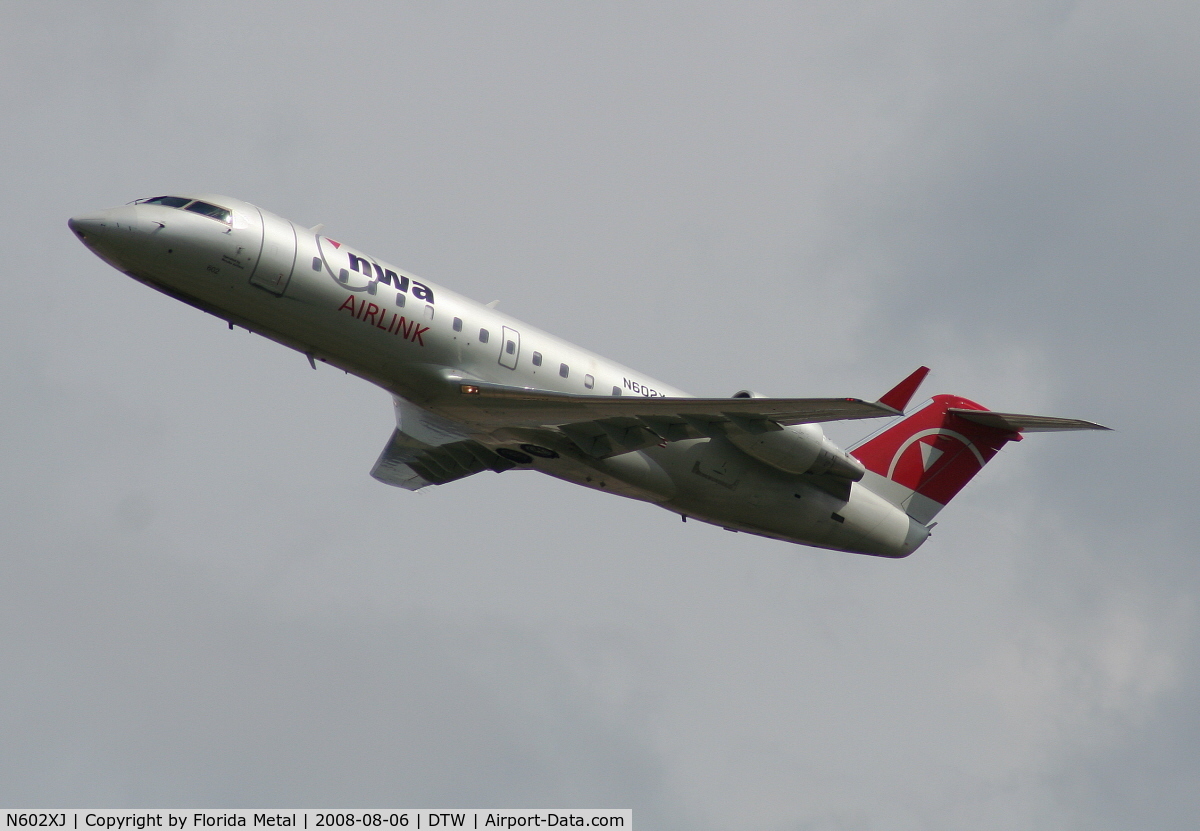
(936, 462)
(376, 274)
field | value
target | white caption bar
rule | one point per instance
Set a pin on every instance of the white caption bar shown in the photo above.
(291, 818)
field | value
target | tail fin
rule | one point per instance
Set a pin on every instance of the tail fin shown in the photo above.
(927, 458)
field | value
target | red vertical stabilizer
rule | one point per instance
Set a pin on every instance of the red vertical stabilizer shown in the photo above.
(933, 452)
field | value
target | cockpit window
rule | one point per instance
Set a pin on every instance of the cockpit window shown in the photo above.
(205, 209)
(195, 206)
(168, 201)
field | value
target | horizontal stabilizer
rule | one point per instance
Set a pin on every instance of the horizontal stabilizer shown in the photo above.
(921, 462)
(1018, 423)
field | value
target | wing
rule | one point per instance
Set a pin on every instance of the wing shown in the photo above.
(411, 464)
(604, 426)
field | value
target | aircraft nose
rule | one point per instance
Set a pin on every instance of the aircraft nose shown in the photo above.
(112, 234)
(93, 226)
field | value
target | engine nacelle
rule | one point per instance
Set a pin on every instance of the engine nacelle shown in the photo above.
(800, 448)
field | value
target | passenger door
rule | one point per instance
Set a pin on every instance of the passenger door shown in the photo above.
(510, 347)
(278, 256)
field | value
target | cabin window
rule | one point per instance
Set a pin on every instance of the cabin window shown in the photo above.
(458, 324)
(616, 390)
(589, 381)
(429, 312)
(511, 347)
(205, 209)
(564, 370)
(537, 358)
(399, 295)
(316, 263)
(483, 335)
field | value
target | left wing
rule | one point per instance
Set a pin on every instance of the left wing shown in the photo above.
(602, 426)
(530, 407)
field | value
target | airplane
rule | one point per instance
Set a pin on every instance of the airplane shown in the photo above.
(476, 390)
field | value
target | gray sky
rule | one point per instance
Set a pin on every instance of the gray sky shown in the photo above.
(206, 601)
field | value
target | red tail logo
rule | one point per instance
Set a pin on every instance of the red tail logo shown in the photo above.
(934, 452)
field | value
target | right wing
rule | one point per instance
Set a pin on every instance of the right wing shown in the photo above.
(411, 464)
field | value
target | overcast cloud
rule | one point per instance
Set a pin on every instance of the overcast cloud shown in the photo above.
(205, 600)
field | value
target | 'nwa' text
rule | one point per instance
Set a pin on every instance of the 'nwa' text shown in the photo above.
(377, 274)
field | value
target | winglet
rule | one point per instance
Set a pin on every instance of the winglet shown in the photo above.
(898, 396)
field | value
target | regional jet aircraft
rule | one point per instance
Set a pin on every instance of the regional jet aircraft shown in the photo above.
(476, 390)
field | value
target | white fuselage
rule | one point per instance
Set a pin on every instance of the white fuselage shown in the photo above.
(419, 341)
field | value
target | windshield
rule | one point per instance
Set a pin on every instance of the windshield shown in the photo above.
(194, 205)
(205, 209)
(169, 201)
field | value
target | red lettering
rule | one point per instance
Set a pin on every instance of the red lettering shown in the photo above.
(363, 310)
